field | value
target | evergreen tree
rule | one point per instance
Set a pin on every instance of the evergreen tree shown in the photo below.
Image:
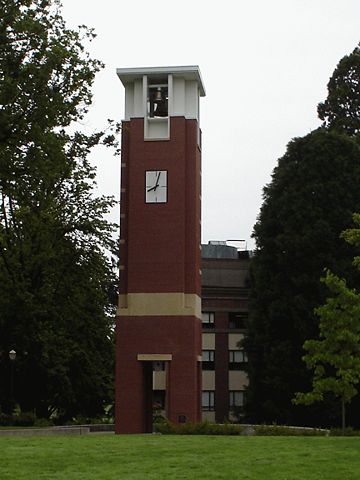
(309, 202)
(341, 109)
(58, 286)
(335, 356)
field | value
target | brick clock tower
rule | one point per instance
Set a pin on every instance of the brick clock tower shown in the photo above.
(159, 316)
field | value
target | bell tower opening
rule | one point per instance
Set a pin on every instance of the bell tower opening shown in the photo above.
(158, 98)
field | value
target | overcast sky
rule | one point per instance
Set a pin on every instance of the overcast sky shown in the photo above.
(265, 65)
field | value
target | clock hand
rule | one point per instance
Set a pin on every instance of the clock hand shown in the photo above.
(157, 181)
(156, 184)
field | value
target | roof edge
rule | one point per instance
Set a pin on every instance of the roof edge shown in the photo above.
(192, 72)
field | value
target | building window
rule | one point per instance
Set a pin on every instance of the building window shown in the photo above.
(208, 359)
(237, 359)
(208, 319)
(236, 398)
(208, 400)
(237, 320)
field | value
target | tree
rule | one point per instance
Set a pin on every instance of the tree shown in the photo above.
(309, 202)
(341, 109)
(306, 206)
(58, 283)
(335, 357)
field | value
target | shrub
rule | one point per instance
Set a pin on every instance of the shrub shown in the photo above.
(206, 428)
(202, 428)
(166, 427)
(349, 432)
(5, 420)
(82, 420)
(43, 422)
(283, 430)
(22, 419)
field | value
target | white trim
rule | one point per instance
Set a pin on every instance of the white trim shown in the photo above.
(189, 72)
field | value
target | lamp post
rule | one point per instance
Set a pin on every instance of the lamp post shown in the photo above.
(12, 357)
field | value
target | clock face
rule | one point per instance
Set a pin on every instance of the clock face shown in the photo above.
(156, 186)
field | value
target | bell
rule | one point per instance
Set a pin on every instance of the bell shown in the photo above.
(158, 95)
(161, 103)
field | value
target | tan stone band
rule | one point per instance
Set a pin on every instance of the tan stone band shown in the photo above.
(154, 357)
(159, 304)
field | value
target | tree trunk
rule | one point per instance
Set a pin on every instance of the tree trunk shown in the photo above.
(343, 416)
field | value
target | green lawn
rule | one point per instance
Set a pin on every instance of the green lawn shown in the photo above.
(143, 457)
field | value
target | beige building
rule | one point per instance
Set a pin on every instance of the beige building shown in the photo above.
(225, 293)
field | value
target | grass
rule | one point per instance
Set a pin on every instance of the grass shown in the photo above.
(158, 457)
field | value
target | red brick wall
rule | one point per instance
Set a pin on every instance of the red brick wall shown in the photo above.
(178, 336)
(161, 240)
(159, 253)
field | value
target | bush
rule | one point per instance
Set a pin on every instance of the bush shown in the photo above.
(82, 420)
(5, 420)
(206, 428)
(283, 430)
(349, 432)
(23, 419)
(43, 422)
(202, 428)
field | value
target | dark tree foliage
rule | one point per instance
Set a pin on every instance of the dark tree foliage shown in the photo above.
(341, 109)
(309, 202)
(58, 290)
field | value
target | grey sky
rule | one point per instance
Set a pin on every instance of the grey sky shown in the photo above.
(265, 66)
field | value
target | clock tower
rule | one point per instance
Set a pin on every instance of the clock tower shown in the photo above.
(158, 323)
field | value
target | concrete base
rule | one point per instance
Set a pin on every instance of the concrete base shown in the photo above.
(21, 432)
(64, 430)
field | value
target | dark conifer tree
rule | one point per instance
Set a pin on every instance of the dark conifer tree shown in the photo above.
(341, 110)
(310, 200)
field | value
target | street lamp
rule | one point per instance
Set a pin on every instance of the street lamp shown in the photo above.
(12, 356)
